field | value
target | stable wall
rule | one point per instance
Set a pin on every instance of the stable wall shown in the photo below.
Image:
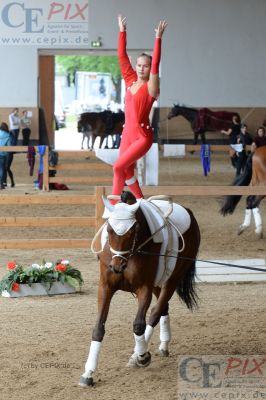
(213, 51)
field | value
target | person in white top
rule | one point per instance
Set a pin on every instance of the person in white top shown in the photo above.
(26, 131)
(14, 126)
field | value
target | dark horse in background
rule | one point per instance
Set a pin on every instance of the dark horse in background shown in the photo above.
(103, 124)
(254, 172)
(203, 120)
(128, 262)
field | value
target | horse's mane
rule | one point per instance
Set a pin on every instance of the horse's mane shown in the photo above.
(186, 107)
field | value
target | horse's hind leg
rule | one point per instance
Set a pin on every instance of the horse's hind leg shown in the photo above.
(258, 222)
(248, 214)
(257, 216)
(159, 314)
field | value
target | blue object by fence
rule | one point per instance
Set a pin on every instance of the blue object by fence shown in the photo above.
(205, 155)
(41, 151)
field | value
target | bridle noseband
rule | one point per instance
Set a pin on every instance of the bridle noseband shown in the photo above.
(121, 254)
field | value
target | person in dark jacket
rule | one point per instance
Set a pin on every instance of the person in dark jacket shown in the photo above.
(5, 140)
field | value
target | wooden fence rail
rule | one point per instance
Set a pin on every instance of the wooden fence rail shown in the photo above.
(67, 222)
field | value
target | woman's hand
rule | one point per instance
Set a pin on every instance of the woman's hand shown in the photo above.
(160, 29)
(122, 23)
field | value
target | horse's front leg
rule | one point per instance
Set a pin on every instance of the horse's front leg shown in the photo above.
(102, 137)
(203, 137)
(141, 357)
(105, 295)
(196, 135)
(82, 141)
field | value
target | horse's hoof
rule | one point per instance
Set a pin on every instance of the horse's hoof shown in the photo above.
(144, 361)
(241, 230)
(86, 382)
(259, 235)
(132, 362)
(164, 353)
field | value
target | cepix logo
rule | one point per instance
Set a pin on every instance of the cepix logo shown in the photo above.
(219, 371)
(16, 15)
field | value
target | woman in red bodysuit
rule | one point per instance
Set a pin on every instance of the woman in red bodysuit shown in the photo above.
(142, 90)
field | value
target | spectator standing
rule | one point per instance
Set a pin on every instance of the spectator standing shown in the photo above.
(5, 140)
(26, 131)
(245, 137)
(233, 132)
(259, 139)
(243, 140)
(14, 125)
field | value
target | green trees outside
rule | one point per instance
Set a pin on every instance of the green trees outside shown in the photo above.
(70, 64)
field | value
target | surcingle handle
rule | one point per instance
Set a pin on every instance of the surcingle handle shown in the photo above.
(164, 197)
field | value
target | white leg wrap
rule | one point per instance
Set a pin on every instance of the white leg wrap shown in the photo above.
(131, 180)
(247, 218)
(148, 333)
(92, 361)
(257, 219)
(140, 344)
(165, 331)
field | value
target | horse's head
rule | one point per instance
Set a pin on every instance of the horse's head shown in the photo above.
(83, 126)
(79, 126)
(122, 231)
(174, 112)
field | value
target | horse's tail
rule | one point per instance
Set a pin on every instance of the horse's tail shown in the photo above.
(230, 202)
(186, 287)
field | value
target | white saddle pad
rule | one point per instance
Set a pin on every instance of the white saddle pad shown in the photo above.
(168, 236)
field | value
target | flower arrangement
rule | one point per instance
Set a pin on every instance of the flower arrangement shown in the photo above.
(46, 273)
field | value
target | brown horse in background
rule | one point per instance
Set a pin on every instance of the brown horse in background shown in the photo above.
(254, 172)
(103, 124)
(129, 262)
(203, 120)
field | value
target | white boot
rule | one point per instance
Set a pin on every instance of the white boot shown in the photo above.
(258, 221)
(247, 221)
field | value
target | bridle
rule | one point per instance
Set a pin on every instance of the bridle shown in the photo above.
(132, 251)
(121, 254)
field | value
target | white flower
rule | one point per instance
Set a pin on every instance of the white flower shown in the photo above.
(65, 262)
(48, 265)
(36, 266)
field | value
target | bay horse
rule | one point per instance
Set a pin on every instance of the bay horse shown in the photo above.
(203, 120)
(93, 124)
(129, 262)
(254, 172)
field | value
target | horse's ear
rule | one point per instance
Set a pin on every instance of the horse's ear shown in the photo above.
(134, 207)
(107, 204)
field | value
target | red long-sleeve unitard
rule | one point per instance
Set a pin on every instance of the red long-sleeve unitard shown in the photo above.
(137, 136)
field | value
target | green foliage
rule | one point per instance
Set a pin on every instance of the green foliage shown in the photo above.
(71, 64)
(45, 273)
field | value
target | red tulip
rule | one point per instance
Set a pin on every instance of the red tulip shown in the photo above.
(11, 265)
(60, 267)
(15, 287)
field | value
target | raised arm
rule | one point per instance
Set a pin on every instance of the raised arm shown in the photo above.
(127, 71)
(154, 82)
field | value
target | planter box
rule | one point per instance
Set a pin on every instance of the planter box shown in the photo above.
(38, 289)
